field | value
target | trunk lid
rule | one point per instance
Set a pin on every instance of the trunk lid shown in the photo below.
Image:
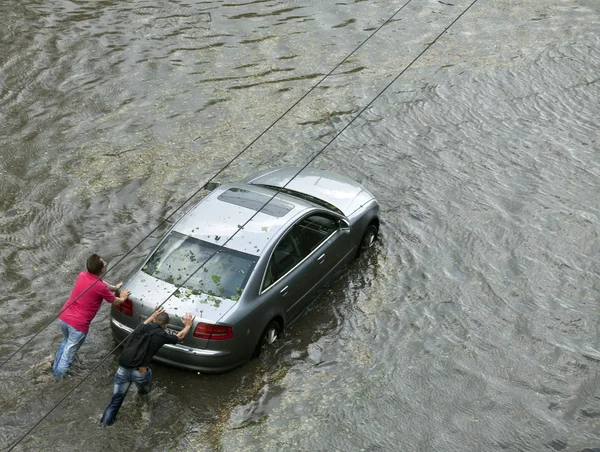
(147, 292)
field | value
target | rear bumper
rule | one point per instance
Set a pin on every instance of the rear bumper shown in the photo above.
(183, 356)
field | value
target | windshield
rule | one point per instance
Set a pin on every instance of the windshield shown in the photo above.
(179, 256)
(305, 196)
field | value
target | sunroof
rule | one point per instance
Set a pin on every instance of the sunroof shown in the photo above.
(256, 201)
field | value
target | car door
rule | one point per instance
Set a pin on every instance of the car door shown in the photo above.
(286, 275)
(325, 239)
(303, 260)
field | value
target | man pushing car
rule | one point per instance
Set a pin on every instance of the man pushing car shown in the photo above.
(134, 362)
(81, 308)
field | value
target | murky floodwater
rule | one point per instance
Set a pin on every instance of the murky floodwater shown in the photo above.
(474, 325)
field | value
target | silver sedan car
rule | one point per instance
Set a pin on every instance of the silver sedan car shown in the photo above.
(246, 285)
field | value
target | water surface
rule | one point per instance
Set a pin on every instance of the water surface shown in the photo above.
(474, 323)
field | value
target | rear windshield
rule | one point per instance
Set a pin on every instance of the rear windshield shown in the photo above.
(179, 256)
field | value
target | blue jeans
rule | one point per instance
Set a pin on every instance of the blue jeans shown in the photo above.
(72, 340)
(123, 379)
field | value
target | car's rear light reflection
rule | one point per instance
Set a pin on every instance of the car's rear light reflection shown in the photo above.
(213, 332)
(126, 308)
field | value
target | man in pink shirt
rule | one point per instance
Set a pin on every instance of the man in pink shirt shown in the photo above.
(80, 309)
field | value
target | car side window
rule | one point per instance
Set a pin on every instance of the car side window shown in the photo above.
(302, 239)
(285, 256)
(314, 230)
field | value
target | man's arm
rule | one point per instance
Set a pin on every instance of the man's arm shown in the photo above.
(153, 315)
(115, 287)
(187, 320)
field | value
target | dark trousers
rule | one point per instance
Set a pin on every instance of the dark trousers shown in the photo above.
(123, 379)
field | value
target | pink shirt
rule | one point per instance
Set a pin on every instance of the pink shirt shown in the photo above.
(80, 314)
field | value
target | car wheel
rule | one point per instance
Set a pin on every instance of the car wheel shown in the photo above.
(269, 337)
(368, 239)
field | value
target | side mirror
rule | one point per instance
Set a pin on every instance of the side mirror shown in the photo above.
(210, 186)
(344, 225)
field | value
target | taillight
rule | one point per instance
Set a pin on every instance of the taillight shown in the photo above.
(213, 332)
(126, 308)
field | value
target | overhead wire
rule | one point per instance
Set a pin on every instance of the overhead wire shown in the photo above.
(427, 47)
(189, 198)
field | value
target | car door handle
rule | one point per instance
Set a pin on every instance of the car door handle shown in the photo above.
(284, 291)
(321, 258)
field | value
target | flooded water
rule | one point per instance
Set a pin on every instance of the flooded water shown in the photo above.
(474, 323)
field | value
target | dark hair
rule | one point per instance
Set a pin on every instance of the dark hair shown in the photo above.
(162, 318)
(94, 264)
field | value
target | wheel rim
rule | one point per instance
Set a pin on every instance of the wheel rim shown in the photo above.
(369, 240)
(271, 336)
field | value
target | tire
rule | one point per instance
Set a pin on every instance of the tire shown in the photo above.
(368, 239)
(269, 337)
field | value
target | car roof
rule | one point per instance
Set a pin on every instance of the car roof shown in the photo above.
(218, 216)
